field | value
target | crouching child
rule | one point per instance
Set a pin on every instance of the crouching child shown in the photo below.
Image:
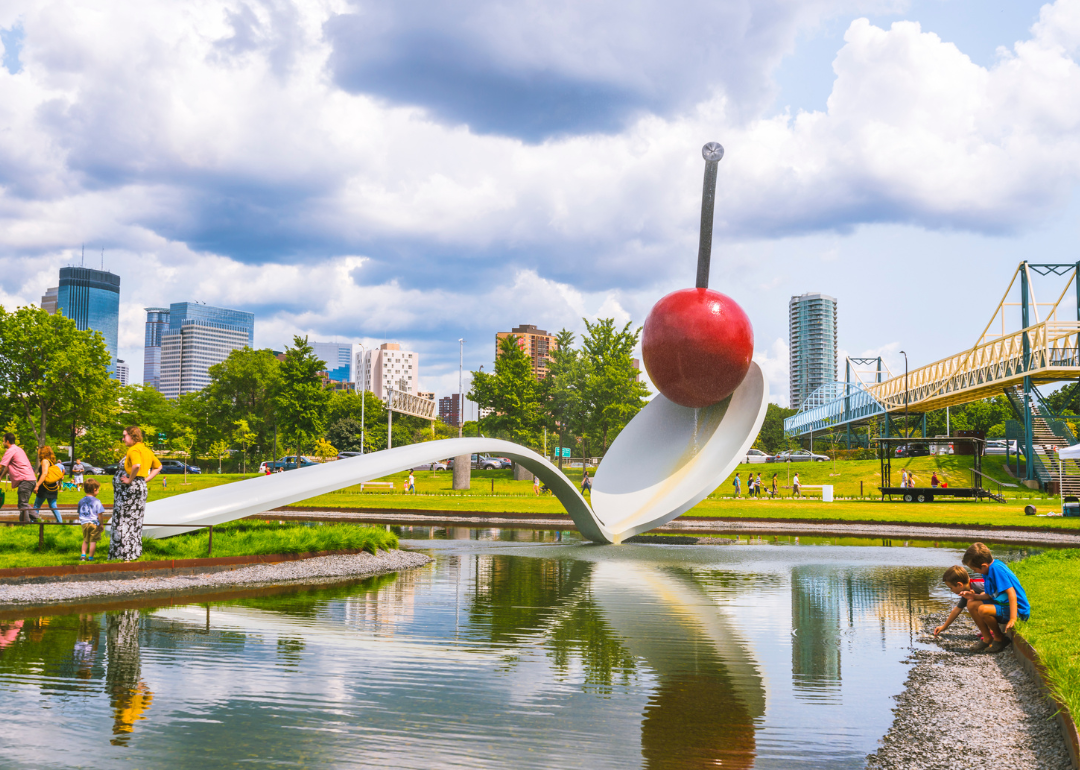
(91, 514)
(959, 582)
(1004, 600)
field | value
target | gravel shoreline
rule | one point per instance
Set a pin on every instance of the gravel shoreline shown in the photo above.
(319, 569)
(960, 709)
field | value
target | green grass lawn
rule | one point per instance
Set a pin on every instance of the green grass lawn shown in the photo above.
(19, 545)
(1049, 579)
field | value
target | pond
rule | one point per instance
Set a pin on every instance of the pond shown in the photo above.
(506, 651)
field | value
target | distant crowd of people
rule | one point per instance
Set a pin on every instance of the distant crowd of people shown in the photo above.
(130, 489)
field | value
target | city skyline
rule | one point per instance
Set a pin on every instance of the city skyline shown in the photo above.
(545, 205)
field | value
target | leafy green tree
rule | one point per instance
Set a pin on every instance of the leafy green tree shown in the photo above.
(564, 388)
(345, 434)
(49, 370)
(612, 392)
(512, 392)
(183, 443)
(301, 399)
(772, 429)
(243, 387)
(219, 450)
(244, 436)
(324, 450)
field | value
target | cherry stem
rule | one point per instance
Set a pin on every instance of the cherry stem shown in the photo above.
(712, 152)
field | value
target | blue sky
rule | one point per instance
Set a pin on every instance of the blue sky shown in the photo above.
(364, 171)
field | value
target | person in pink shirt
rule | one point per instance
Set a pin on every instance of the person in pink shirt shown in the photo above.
(17, 467)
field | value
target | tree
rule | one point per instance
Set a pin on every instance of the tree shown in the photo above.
(324, 450)
(345, 434)
(243, 387)
(512, 392)
(772, 428)
(563, 388)
(612, 392)
(219, 449)
(301, 399)
(243, 435)
(183, 443)
(49, 370)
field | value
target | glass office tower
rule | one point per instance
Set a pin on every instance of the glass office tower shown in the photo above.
(91, 298)
(199, 336)
(157, 323)
(338, 358)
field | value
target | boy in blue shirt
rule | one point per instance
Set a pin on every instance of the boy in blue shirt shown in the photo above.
(1004, 600)
(91, 512)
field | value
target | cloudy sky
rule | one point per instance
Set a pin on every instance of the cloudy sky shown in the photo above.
(420, 172)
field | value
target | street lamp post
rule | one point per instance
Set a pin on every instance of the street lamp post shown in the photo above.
(478, 426)
(461, 386)
(363, 394)
(905, 395)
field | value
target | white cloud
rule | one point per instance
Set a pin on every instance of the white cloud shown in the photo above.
(775, 363)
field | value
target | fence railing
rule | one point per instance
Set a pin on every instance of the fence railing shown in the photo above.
(42, 524)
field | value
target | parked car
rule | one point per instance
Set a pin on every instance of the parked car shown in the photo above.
(482, 462)
(799, 456)
(438, 465)
(346, 455)
(997, 447)
(912, 450)
(175, 466)
(288, 463)
(506, 461)
(757, 456)
(88, 469)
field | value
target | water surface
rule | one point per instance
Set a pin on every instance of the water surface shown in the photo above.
(507, 651)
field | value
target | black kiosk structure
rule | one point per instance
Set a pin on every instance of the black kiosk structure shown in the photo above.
(926, 494)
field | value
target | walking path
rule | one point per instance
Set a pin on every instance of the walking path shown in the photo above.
(694, 525)
(305, 571)
(961, 709)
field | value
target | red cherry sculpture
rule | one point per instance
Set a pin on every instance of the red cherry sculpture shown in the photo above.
(697, 345)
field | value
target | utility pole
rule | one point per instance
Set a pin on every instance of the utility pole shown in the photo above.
(906, 431)
(463, 462)
(363, 393)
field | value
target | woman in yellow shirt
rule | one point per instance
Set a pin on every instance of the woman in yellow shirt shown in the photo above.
(129, 496)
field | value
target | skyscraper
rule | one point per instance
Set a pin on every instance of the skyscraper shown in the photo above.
(157, 322)
(198, 337)
(122, 371)
(338, 358)
(91, 298)
(812, 336)
(378, 370)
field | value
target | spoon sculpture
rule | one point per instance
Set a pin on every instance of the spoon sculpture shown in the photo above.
(697, 345)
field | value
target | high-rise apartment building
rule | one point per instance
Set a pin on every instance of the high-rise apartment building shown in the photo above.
(122, 371)
(199, 336)
(338, 358)
(91, 298)
(537, 344)
(157, 323)
(812, 338)
(388, 365)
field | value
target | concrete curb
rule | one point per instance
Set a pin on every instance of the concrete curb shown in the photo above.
(1028, 657)
(137, 569)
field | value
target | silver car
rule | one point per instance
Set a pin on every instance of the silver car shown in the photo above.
(799, 456)
(757, 456)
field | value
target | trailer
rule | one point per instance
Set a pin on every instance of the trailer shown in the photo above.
(926, 494)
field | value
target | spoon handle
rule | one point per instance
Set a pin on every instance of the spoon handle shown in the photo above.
(712, 152)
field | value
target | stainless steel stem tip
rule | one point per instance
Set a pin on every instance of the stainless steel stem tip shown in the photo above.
(713, 151)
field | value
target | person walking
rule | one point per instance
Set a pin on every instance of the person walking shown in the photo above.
(586, 482)
(48, 482)
(77, 471)
(737, 483)
(129, 496)
(774, 485)
(536, 485)
(795, 486)
(16, 466)
(757, 485)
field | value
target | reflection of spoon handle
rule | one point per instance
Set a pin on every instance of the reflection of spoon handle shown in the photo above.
(712, 152)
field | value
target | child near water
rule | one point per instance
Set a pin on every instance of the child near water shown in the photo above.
(91, 512)
(958, 581)
(1004, 600)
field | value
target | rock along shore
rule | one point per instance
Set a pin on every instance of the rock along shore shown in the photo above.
(320, 569)
(962, 709)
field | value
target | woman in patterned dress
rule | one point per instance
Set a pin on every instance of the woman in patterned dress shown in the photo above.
(129, 496)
